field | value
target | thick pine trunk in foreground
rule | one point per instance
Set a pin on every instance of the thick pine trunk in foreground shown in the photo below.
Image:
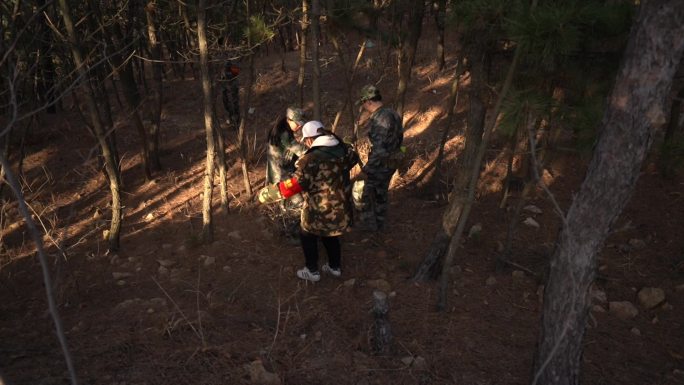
(636, 109)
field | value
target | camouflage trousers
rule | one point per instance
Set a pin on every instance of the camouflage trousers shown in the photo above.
(375, 199)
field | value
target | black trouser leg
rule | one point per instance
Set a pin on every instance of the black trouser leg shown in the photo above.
(310, 247)
(332, 247)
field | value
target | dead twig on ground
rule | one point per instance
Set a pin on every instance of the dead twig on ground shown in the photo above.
(187, 320)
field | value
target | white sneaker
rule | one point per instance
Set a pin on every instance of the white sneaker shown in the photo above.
(329, 270)
(307, 275)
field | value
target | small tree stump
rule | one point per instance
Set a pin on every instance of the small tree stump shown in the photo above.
(382, 332)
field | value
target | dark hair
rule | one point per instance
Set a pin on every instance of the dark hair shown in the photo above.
(376, 98)
(276, 132)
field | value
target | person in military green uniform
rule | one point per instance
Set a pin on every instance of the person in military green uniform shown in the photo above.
(322, 177)
(230, 93)
(281, 155)
(386, 134)
(283, 148)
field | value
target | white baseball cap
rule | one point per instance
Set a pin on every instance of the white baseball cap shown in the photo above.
(310, 129)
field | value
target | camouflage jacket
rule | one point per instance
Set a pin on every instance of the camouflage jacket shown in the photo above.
(280, 160)
(323, 174)
(386, 134)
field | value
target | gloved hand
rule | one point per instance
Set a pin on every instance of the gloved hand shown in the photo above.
(349, 139)
(270, 194)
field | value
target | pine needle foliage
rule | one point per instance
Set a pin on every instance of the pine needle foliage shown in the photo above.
(558, 30)
(480, 20)
(257, 31)
(519, 106)
(574, 46)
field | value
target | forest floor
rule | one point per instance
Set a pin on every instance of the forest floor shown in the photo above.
(166, 309)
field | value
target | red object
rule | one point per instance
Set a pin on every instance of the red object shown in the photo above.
(289, 187)
(235, 70)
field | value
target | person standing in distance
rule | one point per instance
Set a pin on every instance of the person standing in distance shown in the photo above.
(322, 177)
(386, 134)
(230, 93)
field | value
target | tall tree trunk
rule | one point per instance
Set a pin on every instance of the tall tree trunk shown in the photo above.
(350, 74)
(302, 51)
(223, 175)
(44, 264)
(46, 68)
(636, 109)
(207, 226)
(439, 9)
(429, 267)
(111, 164)
(408, 52)
(131, 94)
(315, 81)
(474, 175)
(154, 47)
(452, 105)
(242, 146)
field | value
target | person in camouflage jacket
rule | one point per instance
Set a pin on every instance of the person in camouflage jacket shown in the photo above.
(282, 153)
(386, 134)
(322, 176)
(283, 149)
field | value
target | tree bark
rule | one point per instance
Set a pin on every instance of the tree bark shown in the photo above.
(429, 267)
(44, 264)
(111, 164)
(302, 51)
(207, 226)
(154, 47)
(131, 93)
(636, 109)
(408, 51)
(439, 9)
(350, 74)
(316, 78)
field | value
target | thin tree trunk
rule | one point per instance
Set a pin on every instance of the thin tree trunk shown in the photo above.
(452, 104)
(111, 164)
(408, 52)
(207, 226)
(636, 109)
(45, 267)
(132, 102)
(154, 47)
(242, 146)
(223, 176)
(474, 175)
(429, 267)
(439, 9)
(315, 81)
(348, 101)
(302, 51)
(132, 97)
